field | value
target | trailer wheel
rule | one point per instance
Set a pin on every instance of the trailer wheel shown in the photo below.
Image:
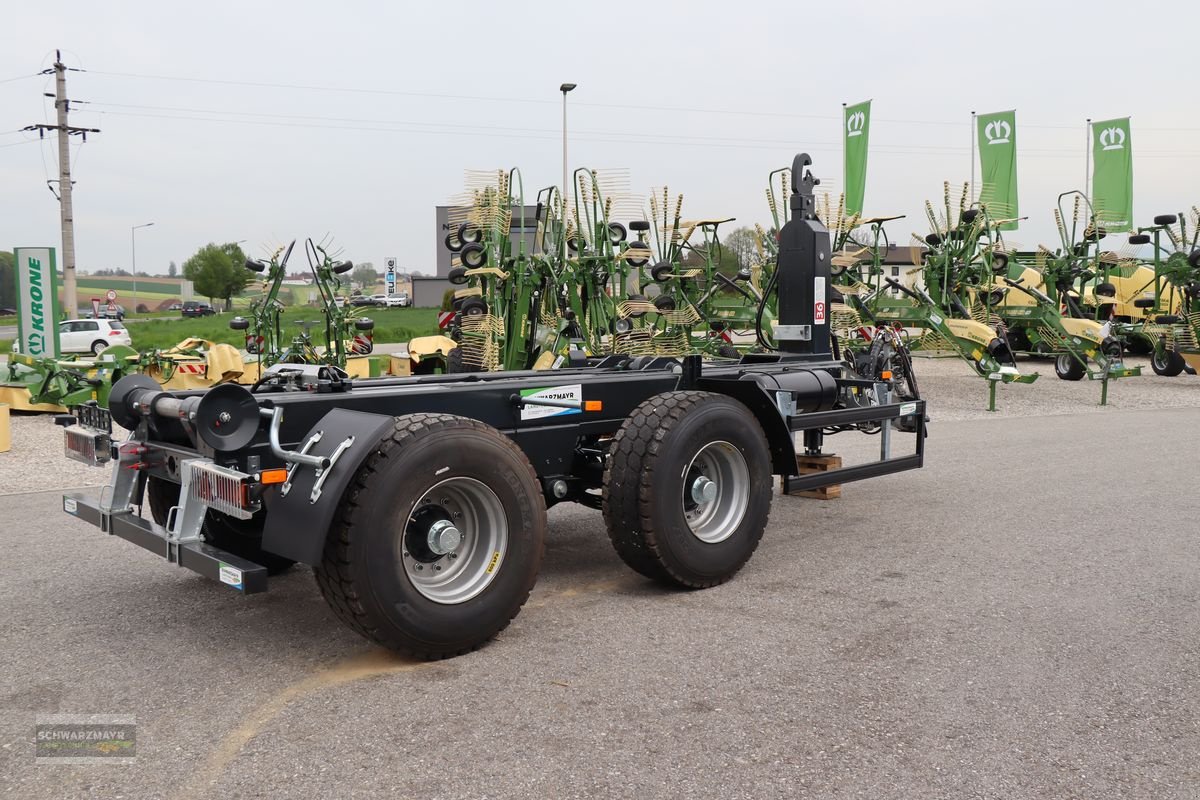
(1069, 368)
(240, 537)
(687, 488)
(1167, 363)
(439, 538)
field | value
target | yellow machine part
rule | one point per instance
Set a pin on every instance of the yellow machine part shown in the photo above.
(1087, 329)
(424, 346)
(222, 363)
(358, 367)
(17, 399)
(971, 330)
(1016, 298)
(1139, 285)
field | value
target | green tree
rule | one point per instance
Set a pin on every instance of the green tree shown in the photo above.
(365, 275)
(172, 270)
(217, 271)
(743, 244)
(8, 280)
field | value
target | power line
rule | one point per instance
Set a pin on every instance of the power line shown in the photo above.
(20, 77)
(535, 101)
(606, 137)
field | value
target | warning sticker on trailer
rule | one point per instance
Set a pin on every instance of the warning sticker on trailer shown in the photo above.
(572, 393)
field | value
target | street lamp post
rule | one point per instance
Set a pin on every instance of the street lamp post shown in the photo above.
(133, 258)
(566, 87)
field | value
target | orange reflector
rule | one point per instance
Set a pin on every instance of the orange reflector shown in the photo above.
(593, 405)
(270, 476)
(886, 375)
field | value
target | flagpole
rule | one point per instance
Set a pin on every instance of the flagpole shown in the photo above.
(844, 187)
(1087, 162)
(972, 156)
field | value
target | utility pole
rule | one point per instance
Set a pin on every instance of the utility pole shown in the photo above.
(65, 132)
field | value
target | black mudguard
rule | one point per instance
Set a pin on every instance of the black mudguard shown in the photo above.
(296, 526)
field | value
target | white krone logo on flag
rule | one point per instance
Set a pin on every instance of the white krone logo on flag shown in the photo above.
(997, 132)
(1112, 139)
(855, 123)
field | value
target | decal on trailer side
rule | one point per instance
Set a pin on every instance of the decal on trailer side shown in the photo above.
(230, 575)
(572, 393)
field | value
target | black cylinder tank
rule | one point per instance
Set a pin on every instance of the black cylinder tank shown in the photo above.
(814, 389)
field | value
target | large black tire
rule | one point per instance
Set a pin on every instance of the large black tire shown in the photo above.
(662, 451)
(1167, 363)
(1069, 368)
(367, 573)
(240, 537)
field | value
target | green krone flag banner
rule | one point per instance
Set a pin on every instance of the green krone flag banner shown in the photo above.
(997, 137)
(857, 125)
(1112, 174)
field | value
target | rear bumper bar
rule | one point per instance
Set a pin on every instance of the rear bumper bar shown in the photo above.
(203, 559)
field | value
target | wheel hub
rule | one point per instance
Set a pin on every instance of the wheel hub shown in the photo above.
(704, 490)
(443, 537)
(716, 491)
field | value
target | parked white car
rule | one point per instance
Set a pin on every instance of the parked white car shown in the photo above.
(91, 335)
(396, 301)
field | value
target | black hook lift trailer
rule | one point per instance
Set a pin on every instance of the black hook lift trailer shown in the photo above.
(421, 502)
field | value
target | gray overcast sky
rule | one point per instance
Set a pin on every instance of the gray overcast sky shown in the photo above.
(704, 97)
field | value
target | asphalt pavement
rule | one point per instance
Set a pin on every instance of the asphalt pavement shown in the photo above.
(1016, 620)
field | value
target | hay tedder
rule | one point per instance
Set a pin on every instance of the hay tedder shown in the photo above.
(347, 339)
(1172, 305)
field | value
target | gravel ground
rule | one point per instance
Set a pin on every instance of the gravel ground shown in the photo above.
(954, 391)
(36, 461)
(1004, 630)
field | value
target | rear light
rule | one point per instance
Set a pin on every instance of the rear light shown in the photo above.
(115, 333)
(220, 488)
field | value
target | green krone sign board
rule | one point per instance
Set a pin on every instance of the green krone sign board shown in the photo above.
(856, 128)
(37, 301)
(1112, 174)
(997, 137)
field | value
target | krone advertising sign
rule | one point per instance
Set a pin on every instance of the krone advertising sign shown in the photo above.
(37, 301)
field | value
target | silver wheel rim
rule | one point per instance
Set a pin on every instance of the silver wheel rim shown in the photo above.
(454, 540)
(1065, 362)
(716, 491)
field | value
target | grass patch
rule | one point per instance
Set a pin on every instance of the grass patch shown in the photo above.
(391, 325)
